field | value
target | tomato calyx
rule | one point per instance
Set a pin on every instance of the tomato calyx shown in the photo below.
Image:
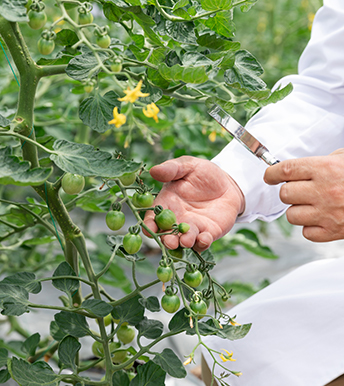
(37, 6)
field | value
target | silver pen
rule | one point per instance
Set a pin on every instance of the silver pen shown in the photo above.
(242, 135)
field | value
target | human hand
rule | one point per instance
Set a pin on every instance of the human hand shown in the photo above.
(315, 191)
(200, 194)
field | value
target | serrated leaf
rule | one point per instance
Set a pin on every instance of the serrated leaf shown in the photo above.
(14, 10)
(36, 374)
(26, 280)
(151, 303)
(16, 172)
(14, 300)
(169, 362)
(149, 328)
(3, 357)
(80, 66)
(216, 43)
(72, 324)
(4, 122)
(130, 311)
(245, 73)
(222, 24)
(274, 97)
(69, 286)
(31, 343)
(226, 59)
(96, 111)
(184, 74)
(85, 160)
(97, 307)
(149, 374)
(67, 351)
(214, 5)
(180, 32)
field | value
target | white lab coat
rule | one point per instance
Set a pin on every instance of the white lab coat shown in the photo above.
(297, 335)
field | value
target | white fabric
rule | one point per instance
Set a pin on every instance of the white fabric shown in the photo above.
(310, 121)
(297, 336)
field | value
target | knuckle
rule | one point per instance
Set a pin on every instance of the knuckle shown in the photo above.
(288, 168)
(284, 194)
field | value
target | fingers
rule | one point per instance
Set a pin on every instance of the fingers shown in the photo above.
(290, 170)
(173, 169)
(317, 234)
(305, 215)
(298, 193)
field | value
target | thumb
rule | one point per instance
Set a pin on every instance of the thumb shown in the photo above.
(174, 169)
(338, 151)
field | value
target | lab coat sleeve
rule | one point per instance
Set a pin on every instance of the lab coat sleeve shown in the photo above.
(309, 122)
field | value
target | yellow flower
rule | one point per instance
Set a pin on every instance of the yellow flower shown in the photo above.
(237, 373)
(133, 95)
(234, 323)
(151, 111)
(188, 361)
(228, 356)
(118, 119)
(212, 136)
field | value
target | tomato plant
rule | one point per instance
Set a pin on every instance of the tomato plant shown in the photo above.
(199, 307)
(164, 274)
(147, 98)
(193, 277)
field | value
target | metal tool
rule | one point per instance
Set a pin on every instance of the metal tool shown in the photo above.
(242, 135)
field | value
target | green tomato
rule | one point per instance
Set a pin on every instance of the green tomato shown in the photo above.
(144, 200)
(165, 219)
(128, 178)
(126, 334)
(116, 66)
(97, 349)
(107, 320)
(45, 47)
(183, 227)
(37, 20)
(88, 88)
(199, 307)
(85, 18)
(131, 375)
(103, 41)
(118, 356)
(73, 183)
(193, 279)
(178, 252)
(115, 220)
(132, 243)
(164, 274)
(170, 303)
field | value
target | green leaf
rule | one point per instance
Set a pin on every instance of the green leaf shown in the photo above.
(149, 374)
(3, 357)
(234, 332)
(196, 59)
(155, 94)
(4, 376)
(14, 300)
(64, 59)
(130, 311)
(179, 322)
(56, 332)
(151, 303)
(36, 374)
(30, 344)
(69, 286)
(67, 351)
(66, 37)
(213, 5)
(191, 256)
(97, 307)
(216, 43)
(222, 24)
(249, 240)
(247, 5)
(72, 324)
(80, 66)
(274, 97)
(96, 111)
(169, 362)
(184, 74)
(227, 58)
(112, 12)
(26, 280)
(16, 172)
(180, 4)
(13, 10)
(245, 72)
(149, 328)
(4, 122)
(40, 240)
(180, 32)
(85, 160)
(139, 40)
(226, 105)
(120, 378)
